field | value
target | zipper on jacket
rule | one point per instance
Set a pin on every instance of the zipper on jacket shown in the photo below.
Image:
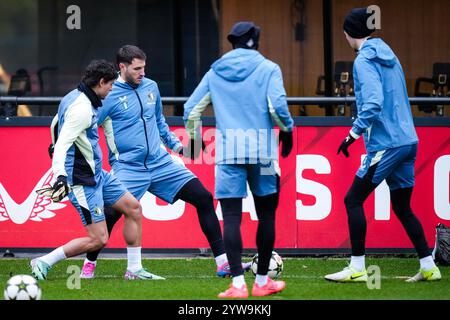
(145, 128)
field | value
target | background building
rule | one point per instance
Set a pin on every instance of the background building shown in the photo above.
(183, 37)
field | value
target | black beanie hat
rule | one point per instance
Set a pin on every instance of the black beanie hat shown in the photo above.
(355, 23)
(241, 34)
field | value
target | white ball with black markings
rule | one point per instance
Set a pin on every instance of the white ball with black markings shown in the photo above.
(275, 265)
(22, 287)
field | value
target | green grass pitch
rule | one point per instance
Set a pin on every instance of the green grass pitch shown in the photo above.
(192, 279)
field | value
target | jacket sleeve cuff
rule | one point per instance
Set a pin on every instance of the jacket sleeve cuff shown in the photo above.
(58, 173)
(177, 148)
(354, 135)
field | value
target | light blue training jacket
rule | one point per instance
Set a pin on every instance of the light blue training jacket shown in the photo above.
(248, 97)
(384, 112)
(77, 152)
(134, 125)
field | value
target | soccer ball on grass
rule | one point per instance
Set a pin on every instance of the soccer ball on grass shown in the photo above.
(22, 287)
(275, 265)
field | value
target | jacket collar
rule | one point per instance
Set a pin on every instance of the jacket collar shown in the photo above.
(122, 81)
(92, 96)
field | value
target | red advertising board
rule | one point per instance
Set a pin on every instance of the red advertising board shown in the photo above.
(311, 213)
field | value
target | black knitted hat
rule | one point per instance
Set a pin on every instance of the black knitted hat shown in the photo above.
(355, 23)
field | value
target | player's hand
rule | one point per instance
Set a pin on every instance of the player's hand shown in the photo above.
(193, 149)
(51, 149)
(286, 140)
(345, 144)
(59, 190)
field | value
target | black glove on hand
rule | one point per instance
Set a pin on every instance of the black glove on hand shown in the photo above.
(286, 139)
(51, 149)
(193, 149)
(345, 144)
(60, 189)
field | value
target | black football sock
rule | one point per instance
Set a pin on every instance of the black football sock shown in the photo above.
(232, 216)
(354, 200)
(196, 194)
(400, 200)
(266, 207)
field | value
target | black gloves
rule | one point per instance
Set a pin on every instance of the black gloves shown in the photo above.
(193, 149)
(51, 149)
(345, 144)
(286, 139)
(59, 190)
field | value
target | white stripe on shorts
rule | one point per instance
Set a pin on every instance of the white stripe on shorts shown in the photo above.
(377, 157)
(78, 191)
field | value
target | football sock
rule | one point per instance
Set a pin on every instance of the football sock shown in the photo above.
(354, 200)
(134, 259)
(401, 199)
(194, 193)
(261, 280)
(358, 263)
(265, 235)
(232, 216)
(54, 256)
(87, 261)
(427, 263)
(238, 281)
(221, 260)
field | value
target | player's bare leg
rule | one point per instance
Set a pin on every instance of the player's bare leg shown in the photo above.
(132, 233)
(96, 239)
(132, 210)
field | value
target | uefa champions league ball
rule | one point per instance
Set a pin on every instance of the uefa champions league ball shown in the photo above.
(22, 287)
(275, 265)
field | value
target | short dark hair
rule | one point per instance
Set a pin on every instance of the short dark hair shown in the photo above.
(127, 53)
(97, 70)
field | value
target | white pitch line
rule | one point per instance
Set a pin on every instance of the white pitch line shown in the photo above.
(215, 277)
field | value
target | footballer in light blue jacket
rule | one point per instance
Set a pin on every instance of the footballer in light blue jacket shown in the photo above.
(77, 163)
(135, 125)
(247, 94)
(135, 128)
(248, 97)
(384, 113)
(385, 120)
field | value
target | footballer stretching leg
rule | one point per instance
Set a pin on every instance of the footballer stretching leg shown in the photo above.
(194, 193)
(135, 270)
(197, 195)
(140, 163)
